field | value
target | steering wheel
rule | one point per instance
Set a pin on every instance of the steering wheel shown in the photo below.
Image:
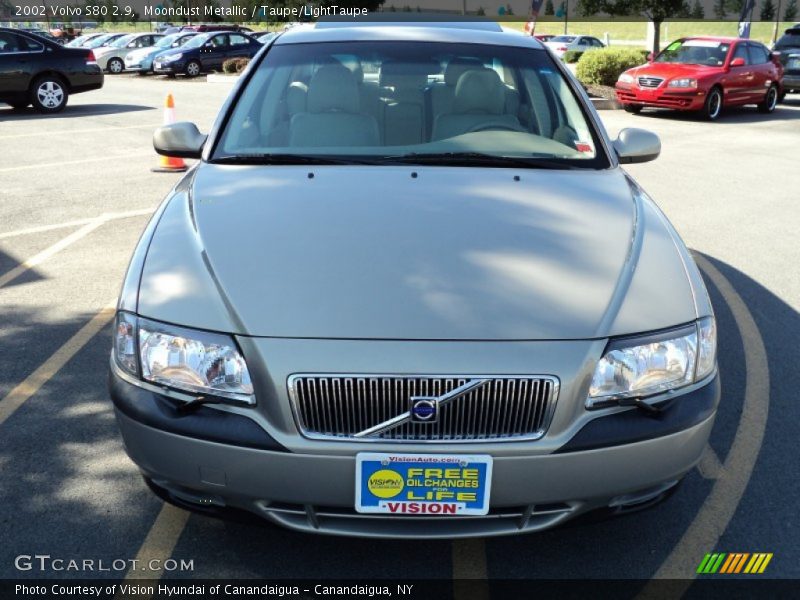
(490, 126)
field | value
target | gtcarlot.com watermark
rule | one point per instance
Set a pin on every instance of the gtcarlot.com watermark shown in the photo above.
(47, 563)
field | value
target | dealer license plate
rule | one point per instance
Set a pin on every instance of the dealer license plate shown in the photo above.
(423, 484)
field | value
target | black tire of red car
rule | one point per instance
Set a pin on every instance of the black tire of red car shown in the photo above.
(116, 66)
(49, 94)
(770, 100)
(632, 108)
(193, 68)
(713, 106)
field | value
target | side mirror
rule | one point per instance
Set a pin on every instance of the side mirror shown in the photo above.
(737, 62)
(182, 140)
(637, 146)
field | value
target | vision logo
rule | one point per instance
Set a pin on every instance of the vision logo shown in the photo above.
(734, 562)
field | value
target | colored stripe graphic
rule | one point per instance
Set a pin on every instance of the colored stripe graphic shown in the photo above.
(734, 562)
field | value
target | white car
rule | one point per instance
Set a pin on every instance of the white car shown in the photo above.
(561, 44)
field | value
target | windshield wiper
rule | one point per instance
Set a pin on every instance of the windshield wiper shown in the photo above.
(478, 158)
(288, 159)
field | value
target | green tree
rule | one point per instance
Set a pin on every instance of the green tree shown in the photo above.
(719, 9)
(791, 11)
(481, 12)
(549, 9)
(735, 6)
(768, 10)
(686, 10)
(698, 12)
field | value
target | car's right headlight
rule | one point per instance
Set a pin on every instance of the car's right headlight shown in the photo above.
(172, 57)
(626, 78)
(653, 364)
(196, 362)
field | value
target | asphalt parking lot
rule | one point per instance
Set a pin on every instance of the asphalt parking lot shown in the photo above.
(75, 193)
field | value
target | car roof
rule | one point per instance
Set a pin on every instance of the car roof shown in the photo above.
(717, 38)
(423, 31)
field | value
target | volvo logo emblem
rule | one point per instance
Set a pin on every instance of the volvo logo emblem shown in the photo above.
(424, 409)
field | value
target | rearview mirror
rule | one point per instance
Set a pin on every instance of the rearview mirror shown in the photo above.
(181, 140)
(737, 62)
(637, 146)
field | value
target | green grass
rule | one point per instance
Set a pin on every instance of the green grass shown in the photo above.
(633, 31)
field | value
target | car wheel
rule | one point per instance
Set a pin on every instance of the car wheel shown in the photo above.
(713, 105)
(632, 108)
(192, 68)
(770, 101)
(49, 94)
(116, 66)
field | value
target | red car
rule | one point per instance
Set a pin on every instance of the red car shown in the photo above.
(704, 74)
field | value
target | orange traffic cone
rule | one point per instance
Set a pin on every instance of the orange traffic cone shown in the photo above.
(169, 164)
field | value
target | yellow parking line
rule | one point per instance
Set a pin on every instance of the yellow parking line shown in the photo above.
(719, 507)
(52, 365)
(121, 157)
(158, 545)
(75, 223)
(77, 131)
(470, 575)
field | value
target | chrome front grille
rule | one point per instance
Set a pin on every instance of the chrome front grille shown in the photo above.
(376, 407)
(650, 82)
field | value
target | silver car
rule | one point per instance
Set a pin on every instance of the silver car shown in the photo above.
(409, 291)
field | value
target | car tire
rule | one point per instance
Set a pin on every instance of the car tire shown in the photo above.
(770, 101)
(49, 94)
(141, 73)
(193, 68)
(115, 66)
(632, 108)
(713, 105)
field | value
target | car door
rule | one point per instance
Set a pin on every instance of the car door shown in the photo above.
(212, 53)
(739, 84)
(239, 46)
(763, 68)
(18, 55)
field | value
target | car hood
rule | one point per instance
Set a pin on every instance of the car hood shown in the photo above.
(672, 70)
(377, 253)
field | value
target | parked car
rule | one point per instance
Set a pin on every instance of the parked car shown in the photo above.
(112, 57)
(704, 74)
(544, 37)
(561, 44)
(34, 70)
(493, 343)
(205, 52)
(787, 49)
(141, 60)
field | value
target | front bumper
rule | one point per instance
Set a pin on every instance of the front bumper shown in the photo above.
(660, 98)
(217, 458)
(791, 81)
(176, 66)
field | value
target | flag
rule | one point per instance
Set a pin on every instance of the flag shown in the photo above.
(530, 26)
(745, 18)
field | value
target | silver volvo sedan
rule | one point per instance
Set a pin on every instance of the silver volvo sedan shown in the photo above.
(409, 291)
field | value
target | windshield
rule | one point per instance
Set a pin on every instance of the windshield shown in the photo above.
(563, 38)
(98, 41)
(410, 102)
(696, 52)
(167, 41)
(789, 40)
(197, 41)
(122, 42)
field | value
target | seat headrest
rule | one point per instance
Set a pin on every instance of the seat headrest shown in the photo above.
(480, 92)
(404, 75)
(457, 67)
(296, 97)
(352, 63)
(333, 88)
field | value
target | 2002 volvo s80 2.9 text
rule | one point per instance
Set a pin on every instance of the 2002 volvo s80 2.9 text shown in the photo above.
(408, 291)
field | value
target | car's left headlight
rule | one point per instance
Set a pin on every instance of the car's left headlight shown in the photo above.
(653, 364)
(684, 82)
(197, 362)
